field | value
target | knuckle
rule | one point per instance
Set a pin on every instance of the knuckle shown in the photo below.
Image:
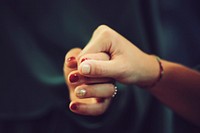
(98, 70)
(102, 27)
(106, 33)
(103, 30)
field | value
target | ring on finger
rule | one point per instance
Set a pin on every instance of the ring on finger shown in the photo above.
(115, 91)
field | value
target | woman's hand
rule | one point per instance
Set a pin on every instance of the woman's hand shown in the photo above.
(127, 63)
(89, 96)
(178, 88)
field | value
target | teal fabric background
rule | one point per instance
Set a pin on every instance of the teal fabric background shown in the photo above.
(35, 36)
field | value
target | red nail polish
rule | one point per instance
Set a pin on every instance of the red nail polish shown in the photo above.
(73, 78)
(71, 59)
(72, 65)
(84, 59)
(100, 100)
(71, 62)
(74, 107)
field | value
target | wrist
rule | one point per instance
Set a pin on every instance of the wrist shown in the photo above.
(160, 73)
(155, 72)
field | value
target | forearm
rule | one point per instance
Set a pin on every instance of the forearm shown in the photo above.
(180, 90)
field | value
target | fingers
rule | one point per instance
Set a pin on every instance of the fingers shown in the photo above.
(96, 96)
(86, 104)
(97, 56)
(94, 68)
(70, 67)
(103, 41)
(96, 90)
(75, 79)
(70, 62)
(93, 109)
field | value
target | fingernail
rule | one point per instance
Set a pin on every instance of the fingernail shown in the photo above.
(100, 100)
(71, 62)
(71, 59)
(80, 92)
(74, 107)
(84, 59)
(85, 69)
(73, 78)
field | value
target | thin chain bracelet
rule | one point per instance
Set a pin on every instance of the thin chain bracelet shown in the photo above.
(161, 72)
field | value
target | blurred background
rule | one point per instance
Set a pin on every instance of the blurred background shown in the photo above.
(35, 35)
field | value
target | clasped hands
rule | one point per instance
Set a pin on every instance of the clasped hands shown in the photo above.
(108, 57)
(89, 95)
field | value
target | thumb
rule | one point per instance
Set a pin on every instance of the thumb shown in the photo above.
(97, 68)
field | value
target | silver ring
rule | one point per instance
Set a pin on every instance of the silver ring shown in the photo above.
(115, 92)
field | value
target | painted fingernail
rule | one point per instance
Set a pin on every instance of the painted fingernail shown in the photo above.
(73, 78)
(71, 59)
(80, 92)
(74, 107)
(84, 59)
(71, 62)
(85, 69)
(100, 100)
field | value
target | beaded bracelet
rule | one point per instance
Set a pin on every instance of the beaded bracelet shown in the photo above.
(161, 72)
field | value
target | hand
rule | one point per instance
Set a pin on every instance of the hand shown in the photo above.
(89, 96)
(127, 63)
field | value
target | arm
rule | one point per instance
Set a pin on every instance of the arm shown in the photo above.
(179, 88)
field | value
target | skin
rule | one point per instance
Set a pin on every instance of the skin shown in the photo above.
(179, 87)
(98, 90)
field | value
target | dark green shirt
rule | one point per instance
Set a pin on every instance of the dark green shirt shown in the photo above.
(35, 36)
